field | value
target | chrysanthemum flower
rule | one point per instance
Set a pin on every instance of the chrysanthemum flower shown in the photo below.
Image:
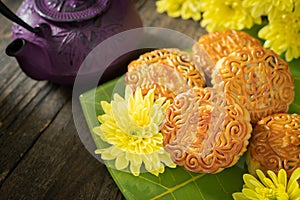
(260, 8)
(282, 34)
(185, 8)
(131, 127)
(272, 188)
(226, 14)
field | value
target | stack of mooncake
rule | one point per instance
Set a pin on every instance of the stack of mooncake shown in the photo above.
(207, 129)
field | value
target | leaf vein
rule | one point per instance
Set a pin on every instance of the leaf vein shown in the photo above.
(176, 187)
(296, 105)
(297, 78)
(153, 182)
(197, 186)
(221, 185)
(91, 102)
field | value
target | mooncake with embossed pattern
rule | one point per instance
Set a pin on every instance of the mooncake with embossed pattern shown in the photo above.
(258, 79)
(213, 46)
(205, 132)
(275, 144)
(169, 71)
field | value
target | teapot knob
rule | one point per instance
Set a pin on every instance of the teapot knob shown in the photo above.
(70, 10)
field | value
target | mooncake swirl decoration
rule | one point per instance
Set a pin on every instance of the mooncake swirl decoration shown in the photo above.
(204, 133)
(258, 79)
(275, 144)
(160, 91)
(169, 71)
(214, 46)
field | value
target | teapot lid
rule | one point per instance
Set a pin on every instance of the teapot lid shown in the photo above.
(70, 10)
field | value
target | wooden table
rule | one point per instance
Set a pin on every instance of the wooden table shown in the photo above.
(41, 154)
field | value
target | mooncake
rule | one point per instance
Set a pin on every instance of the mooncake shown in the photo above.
(275, 144)
(168, 71)
(205, 133)
(256, 78)
(213, 46)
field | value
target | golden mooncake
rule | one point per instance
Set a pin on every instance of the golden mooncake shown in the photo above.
(256, 78)
(275, 144)
(168, 71)
(203, 133)
(213, 46)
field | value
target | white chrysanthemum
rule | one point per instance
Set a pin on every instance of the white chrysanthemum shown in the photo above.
(132, 128)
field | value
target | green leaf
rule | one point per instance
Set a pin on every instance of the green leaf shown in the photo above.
(175, 183)
(295, 69)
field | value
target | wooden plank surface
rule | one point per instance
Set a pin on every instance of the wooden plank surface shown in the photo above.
(41, 155)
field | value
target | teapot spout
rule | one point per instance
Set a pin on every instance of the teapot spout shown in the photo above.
(33, 59)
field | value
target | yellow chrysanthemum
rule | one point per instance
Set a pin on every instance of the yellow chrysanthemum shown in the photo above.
(282, 34)
(260, 8)
(272, 188)
(185, 8)
(226, 14)
(132, 128)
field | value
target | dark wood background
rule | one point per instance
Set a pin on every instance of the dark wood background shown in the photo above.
(41, 154)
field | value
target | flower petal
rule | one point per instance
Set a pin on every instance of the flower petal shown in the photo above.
(137, 160)
(166, 158)
(105, 106)
(149, 163)
(135, 169)
(128, 92)
(295, 175)
(160, 101)
(157, 171)
(251, 182)
(105, 154)
(273, 176)
(121, 162)
(149, 98)
(239, 196)
(262, 177)
(282, 177)
(97, 130)
(295, 195)
(250, 194)
(293, 186)
(157, 114)
(269, 183)
(118, 98)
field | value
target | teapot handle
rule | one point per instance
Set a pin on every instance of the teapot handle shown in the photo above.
(4, 10)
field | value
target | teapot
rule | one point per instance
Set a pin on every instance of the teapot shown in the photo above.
(51, 38)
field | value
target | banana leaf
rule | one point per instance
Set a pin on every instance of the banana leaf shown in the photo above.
(175, 183)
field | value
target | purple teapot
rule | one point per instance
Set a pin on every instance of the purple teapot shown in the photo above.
(51, 38)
